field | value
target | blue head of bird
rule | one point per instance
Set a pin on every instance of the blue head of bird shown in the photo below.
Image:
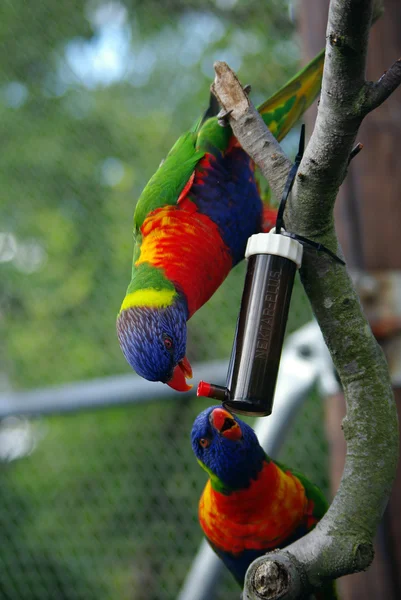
(153, 341)
(227, 448)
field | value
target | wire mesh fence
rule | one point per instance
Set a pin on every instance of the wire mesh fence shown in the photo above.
(104, 503)
(93, 94)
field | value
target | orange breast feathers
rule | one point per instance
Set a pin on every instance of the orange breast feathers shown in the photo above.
(260, 517)
(188, 247)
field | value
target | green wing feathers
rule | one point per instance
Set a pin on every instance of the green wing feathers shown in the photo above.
(170, 178)
(284, 108)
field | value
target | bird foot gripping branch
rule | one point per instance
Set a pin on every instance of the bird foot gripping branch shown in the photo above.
(255, 358)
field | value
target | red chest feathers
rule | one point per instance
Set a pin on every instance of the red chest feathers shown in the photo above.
(188, 247)
(260, 517)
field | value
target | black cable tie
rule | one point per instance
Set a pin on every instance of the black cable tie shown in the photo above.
(286, 192)
(317, 245)
(290, 181)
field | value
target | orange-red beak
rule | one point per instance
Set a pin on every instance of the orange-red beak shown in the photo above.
(181, 372)
(225, 423)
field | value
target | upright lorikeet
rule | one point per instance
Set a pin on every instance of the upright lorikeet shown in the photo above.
(251, 504)
(191, 226)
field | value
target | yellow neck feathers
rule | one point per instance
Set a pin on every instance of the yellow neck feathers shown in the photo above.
(149, 297)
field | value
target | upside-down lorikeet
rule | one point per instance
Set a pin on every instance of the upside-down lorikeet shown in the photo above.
(251, 504)
(191, 226)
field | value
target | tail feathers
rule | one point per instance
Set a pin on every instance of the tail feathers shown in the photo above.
(282, 111)
(327, 592)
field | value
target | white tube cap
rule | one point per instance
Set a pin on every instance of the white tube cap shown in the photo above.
(277, 244)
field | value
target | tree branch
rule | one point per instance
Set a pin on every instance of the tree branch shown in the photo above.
(382, 89)
(249, 128)
(342, 542)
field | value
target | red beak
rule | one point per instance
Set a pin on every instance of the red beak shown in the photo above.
(181, 372)
(225, 423)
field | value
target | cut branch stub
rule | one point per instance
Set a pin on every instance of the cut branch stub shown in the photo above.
(270, 579)
(276, 575)
(228, 90)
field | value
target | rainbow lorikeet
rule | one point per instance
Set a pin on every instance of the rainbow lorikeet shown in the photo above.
(191, 226)
(251, 504)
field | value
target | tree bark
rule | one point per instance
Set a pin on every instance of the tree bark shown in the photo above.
(368, 218)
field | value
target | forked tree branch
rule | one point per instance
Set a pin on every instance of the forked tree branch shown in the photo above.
(342, 542)
(249, 128)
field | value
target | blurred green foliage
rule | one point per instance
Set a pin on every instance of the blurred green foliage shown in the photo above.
(92, 96)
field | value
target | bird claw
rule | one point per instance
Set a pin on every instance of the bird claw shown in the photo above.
(355, 151)
(222, 117)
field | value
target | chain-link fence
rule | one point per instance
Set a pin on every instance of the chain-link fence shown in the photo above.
(103, 504)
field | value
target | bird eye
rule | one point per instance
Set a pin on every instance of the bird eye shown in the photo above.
(204, 442)
(168, 342)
